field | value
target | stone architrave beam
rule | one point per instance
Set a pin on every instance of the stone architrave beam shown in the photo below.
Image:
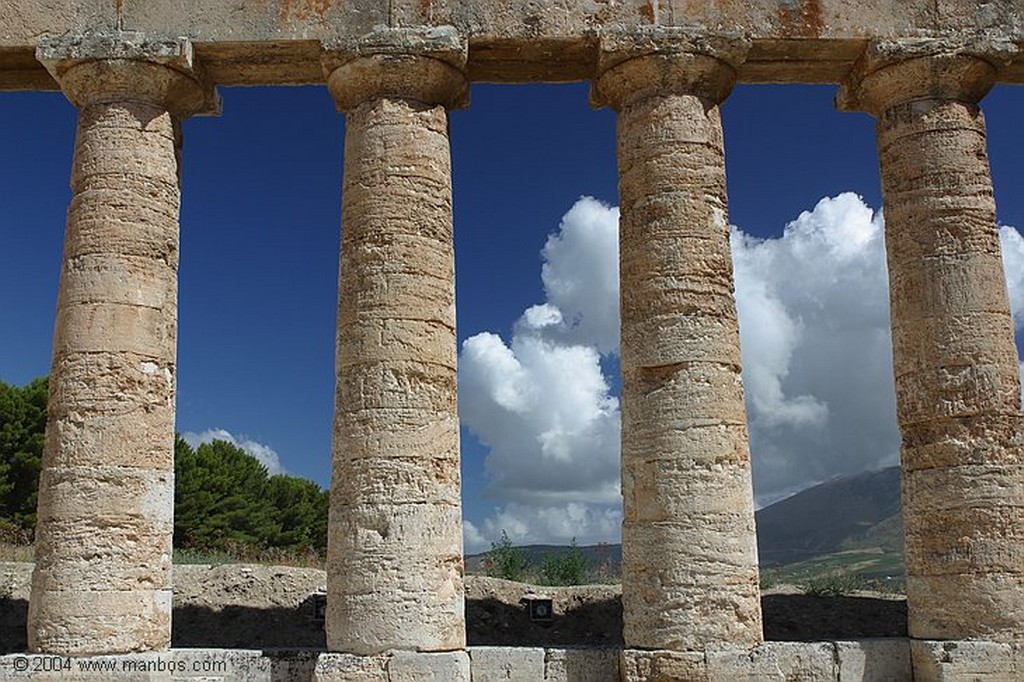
(395, 538)
(957, 382)
(102, 579)
(689, 552)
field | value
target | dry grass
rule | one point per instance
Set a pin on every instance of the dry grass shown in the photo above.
(235, 555)
(16, 552)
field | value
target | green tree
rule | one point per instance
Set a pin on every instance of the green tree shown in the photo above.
(220, 497)
(568, 567)
(300, 513)
(22, 434)
(506, 561)
(223, 496)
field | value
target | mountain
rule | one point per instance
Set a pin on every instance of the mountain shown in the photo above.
(849, 520)
(603, 555)
(846, 513)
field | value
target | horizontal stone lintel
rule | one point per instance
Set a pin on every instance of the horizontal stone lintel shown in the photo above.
(280, 43)
(784, 61)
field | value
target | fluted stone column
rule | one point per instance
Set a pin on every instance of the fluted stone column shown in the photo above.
(689, 551)
(102, 579)
(395, 540)
(957, 384)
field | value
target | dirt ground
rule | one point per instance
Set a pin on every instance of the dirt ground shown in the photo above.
(268, 607)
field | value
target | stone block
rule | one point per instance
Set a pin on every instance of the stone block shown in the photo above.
(292, 665)
(219, 664)
(950, 661)
(506, 664)
(782, 661)
(416, 666)
(333, 667)
(581, 665)
(874, 660)
(663, 666)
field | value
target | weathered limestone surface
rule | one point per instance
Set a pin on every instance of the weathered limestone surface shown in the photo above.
(394, 666)
(853, 661)
(689, 555)
(395, 538)
(507, 664)
(103, 542)
(570, 665)
(957, 382)
(874, 659)
(512, 40)
(338, 667)
(950, 661)
(411, 666)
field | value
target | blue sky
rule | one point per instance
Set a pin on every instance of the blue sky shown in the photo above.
(260, 226)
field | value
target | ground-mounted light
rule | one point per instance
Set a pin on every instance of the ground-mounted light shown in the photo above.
(319, 603)
(541, 609)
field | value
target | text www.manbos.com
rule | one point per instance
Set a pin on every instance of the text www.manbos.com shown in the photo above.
(58, 664)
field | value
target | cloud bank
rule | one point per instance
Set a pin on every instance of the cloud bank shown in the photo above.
(817, 367)
(266, 455)
(813, 306)
(542, 404)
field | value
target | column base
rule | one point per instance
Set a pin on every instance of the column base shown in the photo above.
(946, 661)
(872, 660)
(394, 666)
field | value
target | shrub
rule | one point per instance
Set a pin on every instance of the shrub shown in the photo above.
(505, 561)
(568, 567)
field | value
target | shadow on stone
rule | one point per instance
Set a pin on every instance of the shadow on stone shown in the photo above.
(13, 619)
(492, 622)
(241, 627)
(805, 618)
(789, 617)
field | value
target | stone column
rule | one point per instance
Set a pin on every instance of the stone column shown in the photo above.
(957, 385)
(102, 579)
(689, 550)
(395, 536)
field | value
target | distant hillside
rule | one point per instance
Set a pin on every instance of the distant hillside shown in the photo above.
(608, 556)
(849, 515)
(846, 513)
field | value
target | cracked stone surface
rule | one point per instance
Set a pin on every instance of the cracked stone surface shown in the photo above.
(689, 556)
(395, 537)
(957, 381)
(102, 579)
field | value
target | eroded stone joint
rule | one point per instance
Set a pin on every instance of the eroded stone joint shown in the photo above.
(97, 68)
(427, 66)
(636, 66)
(890, 73)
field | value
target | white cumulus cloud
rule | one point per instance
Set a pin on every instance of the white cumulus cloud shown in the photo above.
(1013, 266)
(541, 403)
(813, 306)
(817, 356)
(266, 455)
(581, 277)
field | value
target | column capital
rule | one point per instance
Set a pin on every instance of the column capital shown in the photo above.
(893, 72)
(636, 65)
(129, 66)
(423, 65)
